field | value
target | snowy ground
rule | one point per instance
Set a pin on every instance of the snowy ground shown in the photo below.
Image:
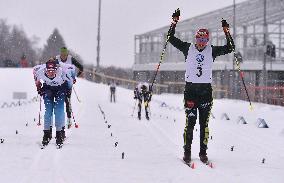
(153, 149)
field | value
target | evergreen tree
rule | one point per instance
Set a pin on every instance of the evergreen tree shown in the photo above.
(14, 44)
(4, 36)
(52, 48)
(20, 45)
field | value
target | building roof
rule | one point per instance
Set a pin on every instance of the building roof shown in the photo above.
(247, 13)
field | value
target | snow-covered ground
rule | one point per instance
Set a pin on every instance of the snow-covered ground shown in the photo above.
(152, 149)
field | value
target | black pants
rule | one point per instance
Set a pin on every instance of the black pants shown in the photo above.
(197, 96)
(112, 96)
(68, 104)
(144, 97)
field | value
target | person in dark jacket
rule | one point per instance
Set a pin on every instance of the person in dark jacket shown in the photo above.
(112, 89)
(143, 92)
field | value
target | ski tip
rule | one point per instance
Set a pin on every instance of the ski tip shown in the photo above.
(192, 165)
(210, 164)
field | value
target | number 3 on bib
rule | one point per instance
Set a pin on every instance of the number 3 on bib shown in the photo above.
(199, 71)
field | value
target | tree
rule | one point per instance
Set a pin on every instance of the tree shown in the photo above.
(4, 35)
(13, 45)
(20, 45)
(52, 48)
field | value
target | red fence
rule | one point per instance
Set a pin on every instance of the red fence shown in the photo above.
(269, 95)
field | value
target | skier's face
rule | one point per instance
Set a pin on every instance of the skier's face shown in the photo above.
(202, 38)
(51, 73)
(63, 56)
(201, 43)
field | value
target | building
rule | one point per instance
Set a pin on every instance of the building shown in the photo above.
(258, 25)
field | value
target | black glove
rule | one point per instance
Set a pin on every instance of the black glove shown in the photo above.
(224, 23)
(68, 92)
(225, 26)
(176, 15)
(39, 89)
(135, 97)
(149, 97)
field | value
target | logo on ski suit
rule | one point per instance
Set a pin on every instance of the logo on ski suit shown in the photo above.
(190, 104)
(199, 58)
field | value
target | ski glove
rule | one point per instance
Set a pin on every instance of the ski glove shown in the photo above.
(149, 97)
(225, 26)
(69, 92)
(176, 15)
(39, 88)
(40, 92)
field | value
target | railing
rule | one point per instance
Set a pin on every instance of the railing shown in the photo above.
(19, 103)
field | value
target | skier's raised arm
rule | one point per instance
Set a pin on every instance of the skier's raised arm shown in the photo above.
(176, 42)
(228, 48)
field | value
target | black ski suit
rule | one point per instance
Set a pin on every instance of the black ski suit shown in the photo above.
(143, 95)
(198, 96)
(112, 92)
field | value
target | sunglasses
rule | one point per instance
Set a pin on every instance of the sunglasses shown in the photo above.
(202, 40)
(51, 70)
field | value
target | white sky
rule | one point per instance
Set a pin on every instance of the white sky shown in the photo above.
(121, 20)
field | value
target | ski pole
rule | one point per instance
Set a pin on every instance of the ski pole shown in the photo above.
(76, 124)
(38, 124)
(71, 111)
(238, 64)
(176, 14)
(76, 94)
(134, 107)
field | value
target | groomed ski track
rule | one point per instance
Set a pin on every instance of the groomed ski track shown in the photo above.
(152, 149)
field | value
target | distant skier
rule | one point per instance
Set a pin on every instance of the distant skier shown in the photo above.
(142, 92)
(65, 57)
(112, 88)
(57, 80)
(199, 58)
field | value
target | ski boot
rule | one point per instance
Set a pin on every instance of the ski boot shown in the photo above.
(45, 139)
(187, 157)
(69, 123)
(59, 140)
(203, 158)
(147, 116)
(63, 136)
(139, 115)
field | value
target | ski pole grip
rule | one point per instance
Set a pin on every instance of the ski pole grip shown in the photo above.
(176, 15)
(224, 23)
